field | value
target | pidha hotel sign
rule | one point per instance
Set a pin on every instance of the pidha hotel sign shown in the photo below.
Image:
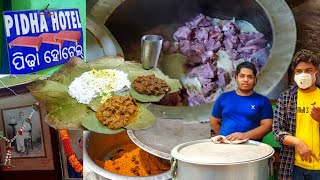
(40, 39)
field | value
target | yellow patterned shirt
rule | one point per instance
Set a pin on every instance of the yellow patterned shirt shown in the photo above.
(307, 128)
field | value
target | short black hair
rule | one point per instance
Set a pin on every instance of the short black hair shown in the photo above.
(247, 65)
(307, 56)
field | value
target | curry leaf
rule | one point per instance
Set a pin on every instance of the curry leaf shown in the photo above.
(16, 80)
(145, 119)
(109, 62)
(95, 103)
(174, 84)
(92, 123)
(67, 115)
(49, 93)
(143, 97)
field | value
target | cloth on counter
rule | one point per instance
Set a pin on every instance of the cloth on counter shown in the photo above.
(223, 139)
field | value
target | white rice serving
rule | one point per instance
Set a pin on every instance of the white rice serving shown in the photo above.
(97, 82)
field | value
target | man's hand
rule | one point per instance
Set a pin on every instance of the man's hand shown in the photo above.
(315, 113)
(237, 136)
(305, 152)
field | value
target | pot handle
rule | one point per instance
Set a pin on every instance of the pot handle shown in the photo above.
(270, 165)
(173, 169)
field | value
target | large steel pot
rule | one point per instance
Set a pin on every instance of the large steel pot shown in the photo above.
(96, 147)
(205, 160)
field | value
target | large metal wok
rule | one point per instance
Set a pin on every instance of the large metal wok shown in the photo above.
(130, 20)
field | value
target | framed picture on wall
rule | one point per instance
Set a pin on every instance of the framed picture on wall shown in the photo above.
(30, 142)
(32, 147)
(76, 143)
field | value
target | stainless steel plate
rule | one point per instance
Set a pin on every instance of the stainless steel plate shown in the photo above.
(162, 137)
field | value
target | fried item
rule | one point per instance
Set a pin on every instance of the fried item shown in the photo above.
(130, 160)
(117, 112)
(150, 85)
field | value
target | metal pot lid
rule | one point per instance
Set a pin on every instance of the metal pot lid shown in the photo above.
(206, 152)
(165, 134)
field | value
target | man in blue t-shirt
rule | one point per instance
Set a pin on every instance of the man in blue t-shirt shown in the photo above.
(242, 113)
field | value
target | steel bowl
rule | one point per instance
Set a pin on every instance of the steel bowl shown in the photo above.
(98, 145)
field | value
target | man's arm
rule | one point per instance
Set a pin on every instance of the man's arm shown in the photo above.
(254, 134)
(215, 124)
(280, 116)
(259, 132)
(303, 149)
(283, 137)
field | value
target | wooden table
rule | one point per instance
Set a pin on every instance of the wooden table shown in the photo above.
(49, 39)
(26, 41)
(66, 35)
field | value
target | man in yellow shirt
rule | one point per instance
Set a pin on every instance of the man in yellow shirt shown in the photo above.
(296, 121)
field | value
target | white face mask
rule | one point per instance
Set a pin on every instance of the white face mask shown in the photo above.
(305, 80)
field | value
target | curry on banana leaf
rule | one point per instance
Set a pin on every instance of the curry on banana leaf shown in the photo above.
(66, 112)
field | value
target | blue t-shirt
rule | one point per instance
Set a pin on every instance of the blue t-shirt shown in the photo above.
(241, 113)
